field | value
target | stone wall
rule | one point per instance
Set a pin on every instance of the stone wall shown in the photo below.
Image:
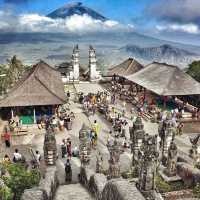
(192, 126)
(46, 189)
(182, 194)
(189, 174)
(119, 189)
(102, 189)
(96, 185)
(85, 174)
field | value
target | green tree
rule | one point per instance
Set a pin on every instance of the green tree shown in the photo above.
(13, 70)
(20, 179)
(194, 70)
(5, 193)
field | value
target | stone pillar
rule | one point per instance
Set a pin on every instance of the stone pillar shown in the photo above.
(194, 152)
(167, 132)
(92, 64)
(172, 159)
(148, 158)
(50, 148)
(75, 63)
(136, 136)
(114, 162)
(99, 164)
(84, 146)
(12, 113)
(34, 116)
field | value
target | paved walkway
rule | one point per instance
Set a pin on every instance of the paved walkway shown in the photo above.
(72, 192)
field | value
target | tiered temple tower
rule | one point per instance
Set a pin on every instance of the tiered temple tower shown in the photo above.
(92, 64)
(75, 63)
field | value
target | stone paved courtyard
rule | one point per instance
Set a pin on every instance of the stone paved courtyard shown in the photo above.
(36, 138)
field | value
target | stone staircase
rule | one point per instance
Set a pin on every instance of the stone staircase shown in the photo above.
(72, 192)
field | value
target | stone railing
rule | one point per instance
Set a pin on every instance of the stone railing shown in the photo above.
(46, 189)
(182, 194)
(189, 174)
(115, 189)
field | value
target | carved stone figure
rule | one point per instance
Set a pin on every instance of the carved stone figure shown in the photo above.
(114, 164)
(99, 164)
(84, 145)
(172, 159)
(148, 157)
(50, 148)
(167, 132)
(136, 136)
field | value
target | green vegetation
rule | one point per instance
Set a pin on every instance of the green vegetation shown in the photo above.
(196, 191)
(164, 187)
(19, 179)
(194, 70)
(10, 73)
(5, 193)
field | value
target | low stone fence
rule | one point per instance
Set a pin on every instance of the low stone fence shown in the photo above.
(182, 194)
(46, 189)
(96, 185)
(189, 174)
(116, 189)
(119, 189)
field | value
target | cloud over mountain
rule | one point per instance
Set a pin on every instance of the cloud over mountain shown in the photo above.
(73, 24)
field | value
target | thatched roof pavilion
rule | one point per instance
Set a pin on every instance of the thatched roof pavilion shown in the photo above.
(165, 80)
(42, 85)
(128, 67)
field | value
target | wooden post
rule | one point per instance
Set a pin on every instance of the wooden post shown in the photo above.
(12, 113)
(34, 116)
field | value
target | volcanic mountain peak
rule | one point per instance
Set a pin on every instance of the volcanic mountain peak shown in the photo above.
(77, 8)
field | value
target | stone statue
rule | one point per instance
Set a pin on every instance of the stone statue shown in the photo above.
(172, 159)
(194, 152)
(84, 145)
(50, 147)
(136, 136)
(167, 131)
(114, 164)
(148, 158)
(99, 164)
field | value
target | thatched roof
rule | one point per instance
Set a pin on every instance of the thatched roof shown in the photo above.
(41, 86)
(128, 67)
(166, 80)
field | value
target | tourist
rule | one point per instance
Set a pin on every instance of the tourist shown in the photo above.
(7, 137)
(68, 171)
(96, 127)
(180, 128)
(92, 138)
(6, 160)
(61, 124)
(63, 148)
(38, 156)
(69, 148)
(75, 152)
(17, 156)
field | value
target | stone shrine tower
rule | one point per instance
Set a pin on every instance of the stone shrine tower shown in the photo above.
(75, 63)
(93, 73)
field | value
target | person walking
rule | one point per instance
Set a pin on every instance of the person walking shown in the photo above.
(7, 137)
(68, 171)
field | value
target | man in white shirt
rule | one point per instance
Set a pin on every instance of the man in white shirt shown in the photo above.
(17, 156)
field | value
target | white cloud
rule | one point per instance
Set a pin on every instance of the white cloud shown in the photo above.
(187, 28)
(73, 24)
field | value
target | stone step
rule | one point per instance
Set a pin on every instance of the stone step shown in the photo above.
(72, 192)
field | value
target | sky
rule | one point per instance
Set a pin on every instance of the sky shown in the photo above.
(175, 20)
